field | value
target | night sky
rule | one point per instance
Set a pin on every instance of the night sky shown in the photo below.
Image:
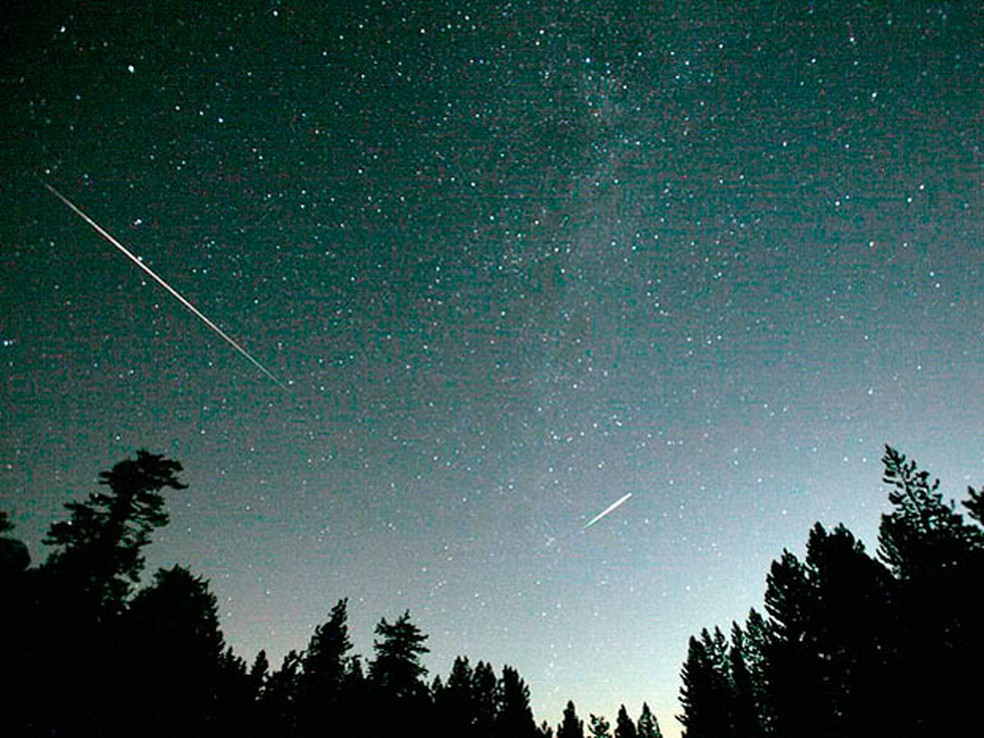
(513, 261)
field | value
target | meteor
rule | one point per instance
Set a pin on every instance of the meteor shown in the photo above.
(174, 293)
(606, 511)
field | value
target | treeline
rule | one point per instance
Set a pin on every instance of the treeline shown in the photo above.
(87, 653)
(850, 644)
(854, 644)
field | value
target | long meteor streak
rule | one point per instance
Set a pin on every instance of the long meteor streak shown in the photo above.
(606, 511)
(177, 295)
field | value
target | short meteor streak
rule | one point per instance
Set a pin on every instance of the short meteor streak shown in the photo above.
(198, 313)
(607, 510)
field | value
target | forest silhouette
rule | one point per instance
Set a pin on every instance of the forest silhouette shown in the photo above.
(850, 644)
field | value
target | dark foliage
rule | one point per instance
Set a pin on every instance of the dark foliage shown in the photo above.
(514, 716)
(647, 726)
(14, 557)
(571, 726)
(97, 550)
(624, 727)
(850, 645)
(853, 645)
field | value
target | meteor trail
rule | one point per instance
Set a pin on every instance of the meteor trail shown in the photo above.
(109, 237)
(607, 510)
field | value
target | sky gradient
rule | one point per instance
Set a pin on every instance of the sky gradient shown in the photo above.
(513, 261)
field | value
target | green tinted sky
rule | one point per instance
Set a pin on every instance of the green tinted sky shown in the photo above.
(514, 261)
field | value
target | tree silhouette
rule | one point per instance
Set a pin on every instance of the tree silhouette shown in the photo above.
(514, 718)
(938, 559)
(235, 710)
(598, 727)
(850, 640)
(975, 504)
(454, 701)
(396, 675)
(14, 557)
(923, 536)
(647, 726)
(748, 699)
(97, 550)
(484, 699)
(706, 693)
(624, 727)
(397, 668)
(324, 665)
(259, 672)
(853, 646)
(174, 653)
(571, 726)
(278, 699)
(66, 649)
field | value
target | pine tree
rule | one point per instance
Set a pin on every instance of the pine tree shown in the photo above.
(173, 651)
(854, 599)
(975, 504)
(14, 557)
(259, 672)
(938, 559)
(396, 676)
(66, 651)
(706, 695)
(757, 638)
(796, 670)
(923, 536)
(514, 718)
(278, 700)
(599, 727)
(484, 699)
(455, 701)
(624, 727)
(235, 709)
(571, 726)
(397, 668)
(323, 667)
(97, 550)
(746, 708)
(647, 725)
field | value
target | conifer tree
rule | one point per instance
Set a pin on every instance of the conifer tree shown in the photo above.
(484, 699)
(14, 557)
(975, 504)
(647, 725)
(514, 718)
(923, 536)
(323, 667)
(706, 694)
(938, 559)
(571, 726)
(454, 701)
(396, 676)
(66, 652)
(397, 669)
(624, 727)
(796, 671)
(278, 700)
(259, 672)
(746, 707)
(599, 727)
(97, 550)
(173, 653)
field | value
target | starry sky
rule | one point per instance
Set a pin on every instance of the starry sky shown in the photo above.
(513, 261)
